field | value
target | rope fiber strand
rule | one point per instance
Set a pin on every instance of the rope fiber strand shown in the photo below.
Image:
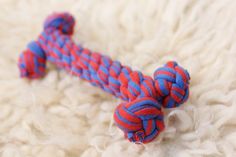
(140, 116)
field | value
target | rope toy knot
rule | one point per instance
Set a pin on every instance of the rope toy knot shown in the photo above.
(172, 84)
(141, 119)
(32, 61)
(62, 21)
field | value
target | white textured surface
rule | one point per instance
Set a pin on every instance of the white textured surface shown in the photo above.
(61, 116)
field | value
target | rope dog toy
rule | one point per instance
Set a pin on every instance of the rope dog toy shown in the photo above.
(140, 116)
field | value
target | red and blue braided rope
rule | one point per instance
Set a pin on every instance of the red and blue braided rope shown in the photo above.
(140, 115)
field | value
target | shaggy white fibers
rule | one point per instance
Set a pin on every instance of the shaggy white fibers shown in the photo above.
(62, 116)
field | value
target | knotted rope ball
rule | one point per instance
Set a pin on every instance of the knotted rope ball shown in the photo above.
(140, 116)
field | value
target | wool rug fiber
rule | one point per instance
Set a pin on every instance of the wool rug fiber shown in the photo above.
(63, 116)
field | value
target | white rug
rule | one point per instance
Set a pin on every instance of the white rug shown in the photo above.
(63, 116)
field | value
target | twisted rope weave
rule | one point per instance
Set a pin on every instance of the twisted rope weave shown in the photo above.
(140, 115)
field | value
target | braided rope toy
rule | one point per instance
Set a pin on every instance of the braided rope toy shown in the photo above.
(140, 116)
